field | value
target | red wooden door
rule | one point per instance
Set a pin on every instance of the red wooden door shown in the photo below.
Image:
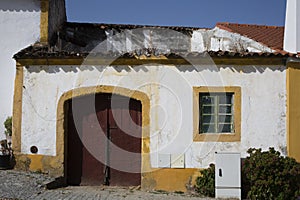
(125, 135)
(105, 148)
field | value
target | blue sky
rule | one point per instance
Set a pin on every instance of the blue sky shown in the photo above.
(195, 13)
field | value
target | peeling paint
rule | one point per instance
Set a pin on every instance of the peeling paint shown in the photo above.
(262, 108)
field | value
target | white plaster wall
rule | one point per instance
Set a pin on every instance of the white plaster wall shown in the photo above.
(19, 27)
(171, 114)
(198, 41)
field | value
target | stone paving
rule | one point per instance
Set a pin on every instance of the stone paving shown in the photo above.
(26, 185)
(21, 185)
(108, 193)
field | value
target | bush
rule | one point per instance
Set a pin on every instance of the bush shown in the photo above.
(8, 126)
(265, 175)
(205, 184)
(270, 175)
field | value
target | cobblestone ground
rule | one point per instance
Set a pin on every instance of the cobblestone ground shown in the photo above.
(21, 185)
(108, 193)
(26, 185)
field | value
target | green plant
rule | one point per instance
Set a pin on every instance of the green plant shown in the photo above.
(8, 126)
(4, 149)
(205, 184)
(270, 175)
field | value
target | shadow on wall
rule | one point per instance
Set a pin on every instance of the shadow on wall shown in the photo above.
(182, 68)
(20, 5)
(78, 68)
(256, 69)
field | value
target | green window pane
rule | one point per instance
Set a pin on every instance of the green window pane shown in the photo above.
(208, 109)
(225, 98)
(208, 119)
(207, 99)
(225, 109)
(225, 128)
(225, 118)
(208, 129)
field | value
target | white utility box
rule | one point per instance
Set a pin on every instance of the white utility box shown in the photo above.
(177, 161)
(228, 175)
(164, 160)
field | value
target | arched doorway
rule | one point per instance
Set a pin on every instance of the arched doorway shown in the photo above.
(94, 135)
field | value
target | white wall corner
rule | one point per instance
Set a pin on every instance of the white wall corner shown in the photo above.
(292, 27)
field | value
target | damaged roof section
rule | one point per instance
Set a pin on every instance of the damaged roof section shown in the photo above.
(79, 40)
(84, 37)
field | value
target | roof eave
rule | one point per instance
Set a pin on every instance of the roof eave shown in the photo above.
(134, 61)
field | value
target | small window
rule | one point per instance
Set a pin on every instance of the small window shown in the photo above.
(216, 113)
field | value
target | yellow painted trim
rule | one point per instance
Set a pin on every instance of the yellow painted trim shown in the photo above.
(36, 163)
(17, 109)
(293, 110)
(39, 163)
(171, 180)
(288, 117)
(151, 57)
(149, 60)
(224, 137)
(44, 24)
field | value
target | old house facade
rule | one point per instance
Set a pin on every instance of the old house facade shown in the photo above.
(148, 105)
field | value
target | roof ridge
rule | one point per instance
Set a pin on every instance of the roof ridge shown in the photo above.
(246, 25)
(133, 25)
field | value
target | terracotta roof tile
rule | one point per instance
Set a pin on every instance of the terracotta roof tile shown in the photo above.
(271, 36)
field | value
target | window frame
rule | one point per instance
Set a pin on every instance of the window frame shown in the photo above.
(234, 136)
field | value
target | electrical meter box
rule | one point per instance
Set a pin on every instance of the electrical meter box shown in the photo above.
(228, 175)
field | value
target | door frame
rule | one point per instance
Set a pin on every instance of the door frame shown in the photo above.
(62, 129)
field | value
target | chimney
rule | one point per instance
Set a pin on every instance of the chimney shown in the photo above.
(53, 15)
(292, 27)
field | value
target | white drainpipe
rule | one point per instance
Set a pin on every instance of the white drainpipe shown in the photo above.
(292, 27)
